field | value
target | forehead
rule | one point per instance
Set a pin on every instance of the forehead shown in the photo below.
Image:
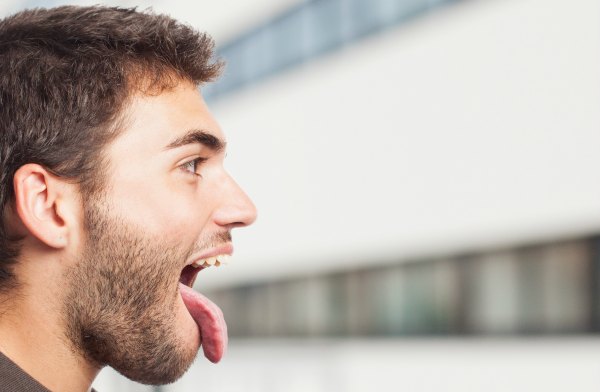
(152, 122)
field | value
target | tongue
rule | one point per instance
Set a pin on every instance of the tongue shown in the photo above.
(211, 323)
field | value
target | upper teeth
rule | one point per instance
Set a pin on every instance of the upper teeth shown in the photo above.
(215, 260)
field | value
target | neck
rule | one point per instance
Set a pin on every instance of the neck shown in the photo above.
(32, 336)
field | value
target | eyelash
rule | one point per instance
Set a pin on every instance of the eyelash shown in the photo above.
(193, 165)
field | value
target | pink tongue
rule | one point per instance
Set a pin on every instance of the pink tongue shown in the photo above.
(210, 321)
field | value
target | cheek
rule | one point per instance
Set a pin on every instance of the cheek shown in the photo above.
(164, 212)
(179, 219)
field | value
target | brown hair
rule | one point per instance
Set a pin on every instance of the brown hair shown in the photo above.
(65, 76)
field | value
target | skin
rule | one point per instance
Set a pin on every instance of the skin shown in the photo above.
(99, 275)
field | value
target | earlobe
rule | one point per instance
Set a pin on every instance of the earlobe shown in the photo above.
(38, 198)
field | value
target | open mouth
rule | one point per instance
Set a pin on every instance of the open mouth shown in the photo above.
(190, 272)
(206, 314)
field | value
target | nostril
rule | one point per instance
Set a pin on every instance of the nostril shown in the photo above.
(238, 224)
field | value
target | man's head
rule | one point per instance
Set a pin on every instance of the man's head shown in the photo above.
(112, 180)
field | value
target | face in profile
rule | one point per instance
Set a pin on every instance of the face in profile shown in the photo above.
(167, 202)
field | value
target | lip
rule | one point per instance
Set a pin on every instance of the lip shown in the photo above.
(225, 249)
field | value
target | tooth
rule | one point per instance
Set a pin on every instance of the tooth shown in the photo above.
(211, 260)
(196, 263)
(224, 259)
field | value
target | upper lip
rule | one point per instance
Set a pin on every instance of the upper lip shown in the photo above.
(225, 249)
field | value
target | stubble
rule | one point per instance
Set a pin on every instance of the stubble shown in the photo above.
(120, 307)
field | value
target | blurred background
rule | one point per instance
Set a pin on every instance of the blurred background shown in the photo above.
(426, 175)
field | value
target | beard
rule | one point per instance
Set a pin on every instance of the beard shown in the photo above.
(121, 307)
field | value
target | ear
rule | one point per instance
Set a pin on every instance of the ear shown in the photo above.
(41, 201)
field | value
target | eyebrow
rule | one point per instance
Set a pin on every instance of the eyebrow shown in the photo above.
(198, 136)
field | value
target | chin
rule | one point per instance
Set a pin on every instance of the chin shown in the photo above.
(164, 366)
(158, 372)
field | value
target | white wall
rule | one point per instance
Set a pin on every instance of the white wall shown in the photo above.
(449, 365)
(476, 126)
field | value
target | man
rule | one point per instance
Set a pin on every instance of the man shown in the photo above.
(113, 195)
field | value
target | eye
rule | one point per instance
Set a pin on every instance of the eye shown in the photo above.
(192, 166)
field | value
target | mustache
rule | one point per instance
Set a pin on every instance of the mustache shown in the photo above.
(212, 241)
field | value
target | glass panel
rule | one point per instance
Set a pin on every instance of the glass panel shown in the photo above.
(324, 26)
(493, 294)
(287, 38)
(234, 73)
(363, 17)
(257, 55)
(306, 31)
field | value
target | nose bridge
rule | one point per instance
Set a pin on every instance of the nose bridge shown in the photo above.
(235, 208)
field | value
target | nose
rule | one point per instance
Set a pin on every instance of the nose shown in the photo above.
(235, 207)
